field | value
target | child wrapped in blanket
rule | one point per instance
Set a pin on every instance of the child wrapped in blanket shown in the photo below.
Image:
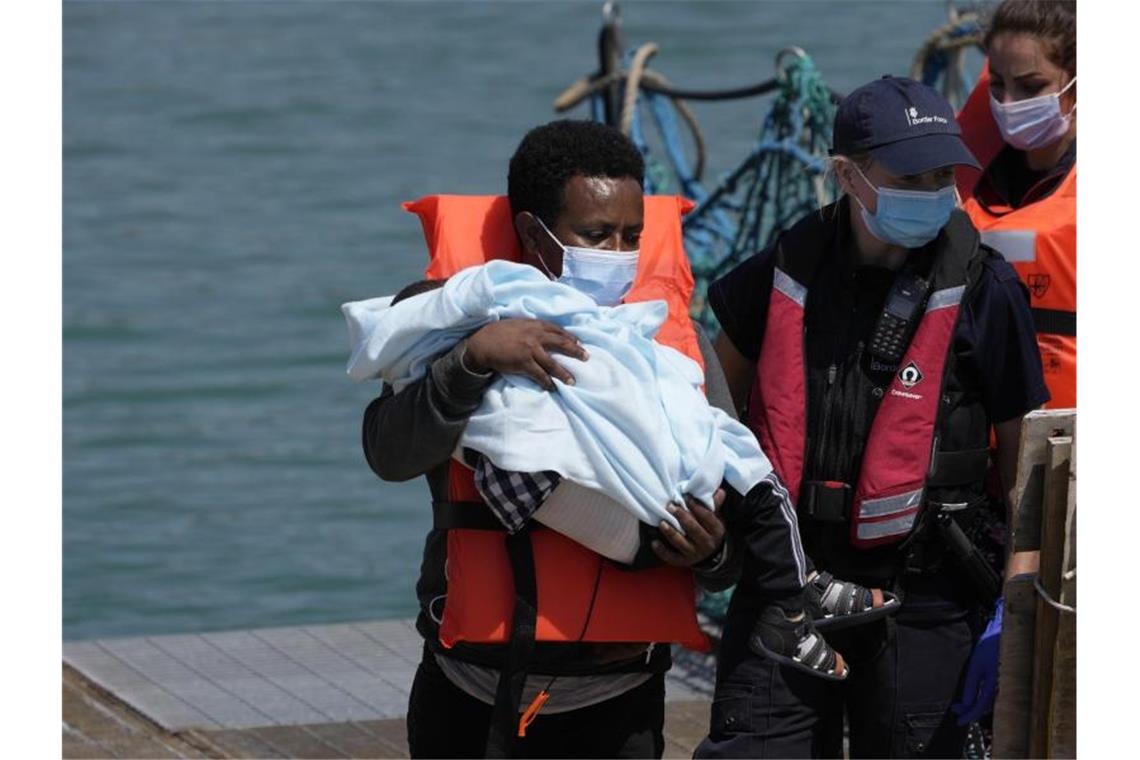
(761, 526)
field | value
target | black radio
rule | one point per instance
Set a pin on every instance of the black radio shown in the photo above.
(898, 318)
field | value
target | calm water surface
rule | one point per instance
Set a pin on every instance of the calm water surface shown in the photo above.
(232, 173)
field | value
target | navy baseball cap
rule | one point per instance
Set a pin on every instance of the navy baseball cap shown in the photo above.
(907, 126)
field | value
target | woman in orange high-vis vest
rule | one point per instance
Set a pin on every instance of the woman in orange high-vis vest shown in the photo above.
(1021, 123)
(530, 630)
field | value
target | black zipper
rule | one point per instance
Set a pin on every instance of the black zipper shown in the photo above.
(825, 421)
(829, 395)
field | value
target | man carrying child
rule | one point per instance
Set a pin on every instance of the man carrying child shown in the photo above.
(577, 208)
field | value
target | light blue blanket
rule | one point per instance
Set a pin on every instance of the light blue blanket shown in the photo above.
(635, 425)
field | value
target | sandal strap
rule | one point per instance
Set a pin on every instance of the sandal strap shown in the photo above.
(819, 655)
(844, 598)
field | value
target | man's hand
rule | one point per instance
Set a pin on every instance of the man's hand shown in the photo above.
(704, 533)
(523, 347)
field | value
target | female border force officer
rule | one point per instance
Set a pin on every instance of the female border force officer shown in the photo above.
(871, 348)
(1021, 123)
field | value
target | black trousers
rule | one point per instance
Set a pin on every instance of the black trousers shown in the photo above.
(444, 721)
(905, 673)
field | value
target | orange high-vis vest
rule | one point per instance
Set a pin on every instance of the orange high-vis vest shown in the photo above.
(581, 595)
(1039, 240)
(979, 132)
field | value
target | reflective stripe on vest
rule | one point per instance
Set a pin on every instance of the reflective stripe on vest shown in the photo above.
(1013, 245)
(581, 595)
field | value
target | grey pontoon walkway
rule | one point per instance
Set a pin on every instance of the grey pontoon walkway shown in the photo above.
(336, 690)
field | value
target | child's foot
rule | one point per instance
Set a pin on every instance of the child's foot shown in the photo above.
(837, 604)
(794, 641)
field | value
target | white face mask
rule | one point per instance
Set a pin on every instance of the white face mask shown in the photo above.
(1034, 122)
(605, 276)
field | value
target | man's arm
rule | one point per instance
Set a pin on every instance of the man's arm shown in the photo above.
(406, 434)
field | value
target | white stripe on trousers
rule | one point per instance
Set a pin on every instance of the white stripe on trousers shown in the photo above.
(789, 513)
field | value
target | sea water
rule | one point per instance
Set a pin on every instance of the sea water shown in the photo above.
(232, 174)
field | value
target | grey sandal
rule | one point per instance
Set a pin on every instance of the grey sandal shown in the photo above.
(835, 604)
(797, 644)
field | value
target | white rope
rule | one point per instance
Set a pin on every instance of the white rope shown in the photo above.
(633, 84)
(1050, 600)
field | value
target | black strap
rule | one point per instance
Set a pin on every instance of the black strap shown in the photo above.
(984, 580)
(471, 515)
(1055, 322)
(512, 678)
(958, 468)
(825, 500)
(474, 515)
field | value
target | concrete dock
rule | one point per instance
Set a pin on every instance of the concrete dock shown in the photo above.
(335, 691)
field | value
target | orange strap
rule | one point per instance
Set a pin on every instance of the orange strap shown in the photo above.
(531, 711)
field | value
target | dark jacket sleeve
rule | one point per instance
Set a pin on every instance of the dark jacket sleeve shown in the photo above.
(406, 434)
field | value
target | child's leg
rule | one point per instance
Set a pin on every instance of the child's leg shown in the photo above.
(764, 524)
(765, 521)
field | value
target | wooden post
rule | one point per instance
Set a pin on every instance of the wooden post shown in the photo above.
(1063, 704)
(1036, 430)
(1054, 509)
(1014, 703)
(1015, 670)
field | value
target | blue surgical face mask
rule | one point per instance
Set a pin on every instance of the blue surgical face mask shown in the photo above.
(1034, 122)
(605, 276)
(908, 218)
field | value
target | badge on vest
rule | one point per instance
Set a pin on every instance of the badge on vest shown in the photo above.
(1038, 284)
(910, 375)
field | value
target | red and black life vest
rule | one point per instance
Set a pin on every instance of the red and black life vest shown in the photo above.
(927, 439)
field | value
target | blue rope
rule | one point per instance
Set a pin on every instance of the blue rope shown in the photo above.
(768, 191)
(937, 61)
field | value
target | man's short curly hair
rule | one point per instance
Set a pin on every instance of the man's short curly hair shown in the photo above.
(550, 155)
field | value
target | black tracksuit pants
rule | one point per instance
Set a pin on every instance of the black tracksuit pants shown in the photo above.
(762, 525)
(905, 673)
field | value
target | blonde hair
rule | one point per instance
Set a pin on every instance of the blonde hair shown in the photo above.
(863, 160)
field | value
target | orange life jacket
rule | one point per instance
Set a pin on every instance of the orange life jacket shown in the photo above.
(581, 596)
(1039, 240)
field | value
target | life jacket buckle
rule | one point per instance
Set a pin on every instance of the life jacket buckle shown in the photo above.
(826, 500)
